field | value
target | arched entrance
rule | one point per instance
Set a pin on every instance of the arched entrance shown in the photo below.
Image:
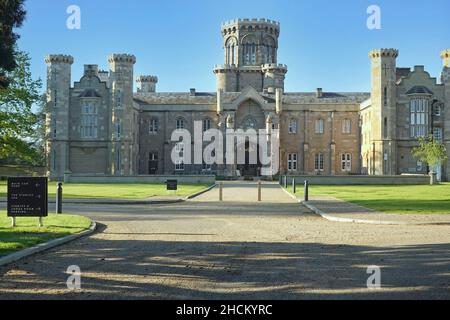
(249, 116)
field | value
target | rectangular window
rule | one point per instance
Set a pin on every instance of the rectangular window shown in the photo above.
(54, 128)
(56, 98)
(346, 126)
(419, 117)
(292, 162)
(89, 119)
(179, 165)
(437, 110)
(318, 163)
(206, 124)
(292, 126)
(437, 134)
(180, 124)
(154, 126)
(319, 126)
(346, 162)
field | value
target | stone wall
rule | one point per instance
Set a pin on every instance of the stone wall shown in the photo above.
(361, 180)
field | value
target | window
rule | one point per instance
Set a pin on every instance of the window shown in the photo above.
(346, 162)
(319, 126)
(385, 96)
(118, 130)
(206, 167)
(153, 126)
(54, 128)
(437, 109)
(292, 162)
(179, 165)
(180, 124)
(206, 124)
(292, 126)
(437, 134)
(419, 117)
(318, 163)
(89, 120)
(250, 54)
(119, 99)
(347, 126)
(56, 98)
(385, 128)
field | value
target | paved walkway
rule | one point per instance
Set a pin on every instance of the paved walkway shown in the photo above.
(342, 209)
(236, 249)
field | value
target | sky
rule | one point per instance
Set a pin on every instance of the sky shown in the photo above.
(324, 43)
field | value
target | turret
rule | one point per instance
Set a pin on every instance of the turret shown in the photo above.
(124, 147)
(384, 92)
(147, 84)
(248, 45)
(57, 120)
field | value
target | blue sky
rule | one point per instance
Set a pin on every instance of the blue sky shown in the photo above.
(325, 43)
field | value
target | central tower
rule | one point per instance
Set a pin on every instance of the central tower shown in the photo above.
(250, 56)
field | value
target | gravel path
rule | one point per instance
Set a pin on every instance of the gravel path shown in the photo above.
(236, 249)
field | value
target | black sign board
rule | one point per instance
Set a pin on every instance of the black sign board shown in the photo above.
(172, 185)
(28, 197)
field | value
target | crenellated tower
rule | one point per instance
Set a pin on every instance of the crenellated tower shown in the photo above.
(58, 113)
(250, 56)
(384, 117)
(124, 147)
(147, 84)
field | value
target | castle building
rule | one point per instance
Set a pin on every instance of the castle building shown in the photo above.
(100, 126)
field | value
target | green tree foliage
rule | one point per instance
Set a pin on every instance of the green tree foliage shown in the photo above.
(19, 125)
(430, 152)
(12, 15)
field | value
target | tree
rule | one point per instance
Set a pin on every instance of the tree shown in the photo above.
(18, 122)
(12, 15)
(431, 152)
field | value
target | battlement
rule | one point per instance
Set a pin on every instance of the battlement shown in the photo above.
(377, 53)
(151, 79)
(274, 66)
(250, 24)
(122, 58)
(445, 55)
(58, 58)
(218, 68)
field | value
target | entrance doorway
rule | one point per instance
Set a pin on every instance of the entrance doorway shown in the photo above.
(153, 163)
(250, 168)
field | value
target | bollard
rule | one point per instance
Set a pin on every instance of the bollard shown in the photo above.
(221, 191)
(285, 182)
(306, 190)
(294, 186)
(59, 198)
(13, 222)
(259, 190)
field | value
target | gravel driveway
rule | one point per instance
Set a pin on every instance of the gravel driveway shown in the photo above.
(236, 249)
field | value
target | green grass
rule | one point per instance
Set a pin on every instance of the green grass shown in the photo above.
(117, 191)
(27, 233)
(420, 199)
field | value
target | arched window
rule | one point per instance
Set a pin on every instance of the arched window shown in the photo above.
(269, 50)
(385, 96)
(249, 53)
(231, 48)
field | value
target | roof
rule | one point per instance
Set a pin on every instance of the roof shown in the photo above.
(402, 72)
(174, 98)
(419, 90)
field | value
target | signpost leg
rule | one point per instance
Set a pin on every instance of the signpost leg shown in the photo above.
(13, 222)
(221, 191)
(41, 222)
(294, 186)
(306, 191)
(59, 195)
(259, 190)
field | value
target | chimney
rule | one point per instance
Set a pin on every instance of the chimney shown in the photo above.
(319, 93)
(192, 92)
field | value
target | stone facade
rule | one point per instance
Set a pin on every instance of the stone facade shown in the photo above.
(100, 126)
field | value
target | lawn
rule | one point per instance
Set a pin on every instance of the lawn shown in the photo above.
(27, 233)
(117, 191)
(420, 199)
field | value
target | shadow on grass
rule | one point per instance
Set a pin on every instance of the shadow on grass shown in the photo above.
(406, 205)
(232, 270)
